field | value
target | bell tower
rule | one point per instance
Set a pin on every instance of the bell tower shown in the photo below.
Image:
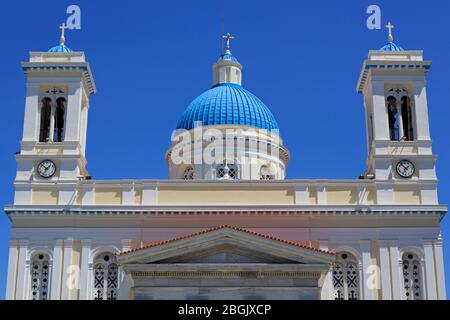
(53, 147)
(400, 157)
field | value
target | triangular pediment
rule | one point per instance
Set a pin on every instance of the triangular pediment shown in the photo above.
(226, 245)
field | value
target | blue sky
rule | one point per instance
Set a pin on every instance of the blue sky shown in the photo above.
(151, 58)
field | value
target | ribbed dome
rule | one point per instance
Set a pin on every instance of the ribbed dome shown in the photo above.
(229, 57)
(60, 48)
(391, 47)
(227, 103)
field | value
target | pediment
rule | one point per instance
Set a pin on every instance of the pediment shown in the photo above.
(227, 245)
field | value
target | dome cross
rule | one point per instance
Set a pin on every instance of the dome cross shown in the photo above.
(62, 39)
(390, 26)
(228, 37)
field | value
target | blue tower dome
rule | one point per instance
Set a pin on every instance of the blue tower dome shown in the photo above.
(390, 46)
(227, 103)
(60, 48)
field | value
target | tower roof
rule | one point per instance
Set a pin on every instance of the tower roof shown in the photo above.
(390, 45)
(61, 47)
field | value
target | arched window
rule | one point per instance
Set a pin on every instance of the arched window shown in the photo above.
(105, 277)
(394, 131)
(412, 270)
(346, 277)
(59, 120)
(408, 133)
(40, 275)
(188, 173)
(227, 171)
(266, 173)
(46, 113)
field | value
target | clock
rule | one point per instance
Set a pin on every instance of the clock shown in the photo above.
(46, 169)
(405, 168)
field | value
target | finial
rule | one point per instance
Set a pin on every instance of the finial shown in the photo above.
(390, 26)
(62, 39)
(228, 37)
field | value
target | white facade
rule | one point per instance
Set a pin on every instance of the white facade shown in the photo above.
(246, 229)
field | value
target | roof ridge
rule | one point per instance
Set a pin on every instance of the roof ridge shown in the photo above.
(236, 228)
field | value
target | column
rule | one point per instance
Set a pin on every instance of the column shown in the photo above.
(128, 195)
(22, 286)
(440, 275)
(368, 293)
(396, 267)
(321, 195)
(421, 108)
(385, 272)
(52, 122)
(380, 117)
(31, 119)
(55, 291)
(67, 262)
(12, 269)
(301, 195)
(73, 112)
(327, 287)
(84, 270)
(430, 274)
(149, 194)
(123, 290)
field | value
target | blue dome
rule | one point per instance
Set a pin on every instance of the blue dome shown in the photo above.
(227, 103)
(228, 57)
(60, 48)
(391, 47)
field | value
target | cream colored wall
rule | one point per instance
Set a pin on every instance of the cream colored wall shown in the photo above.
(409, 194)
(108, 196)
(269, 194)
(44, 196)
(226, 195)
(342, 195)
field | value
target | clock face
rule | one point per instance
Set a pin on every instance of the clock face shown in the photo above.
(46, 169)
(405, 168)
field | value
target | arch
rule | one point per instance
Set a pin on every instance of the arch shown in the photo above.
(267, 172)
(45, 119)
(39, 249)
(349, 249)
(40, 270)
(414, 249)
(346, 277)
(188, 173)
(228, 170)
(100, 249)
(105, 276)
(400, 113)
(413, 277)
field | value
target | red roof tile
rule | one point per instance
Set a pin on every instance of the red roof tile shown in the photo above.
(225, 227)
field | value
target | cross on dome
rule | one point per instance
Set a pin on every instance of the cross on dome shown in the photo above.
(390, 26)
(62, 39)
(228, 37)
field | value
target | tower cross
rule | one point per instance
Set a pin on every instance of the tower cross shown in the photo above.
(62, 39)
(228, 37)
(390, 26)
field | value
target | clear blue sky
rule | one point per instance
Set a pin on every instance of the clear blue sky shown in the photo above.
(151, 58)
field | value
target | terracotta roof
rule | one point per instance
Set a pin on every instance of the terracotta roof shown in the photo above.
(220, 228)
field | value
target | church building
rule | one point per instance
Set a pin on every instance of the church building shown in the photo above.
(226, 224)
